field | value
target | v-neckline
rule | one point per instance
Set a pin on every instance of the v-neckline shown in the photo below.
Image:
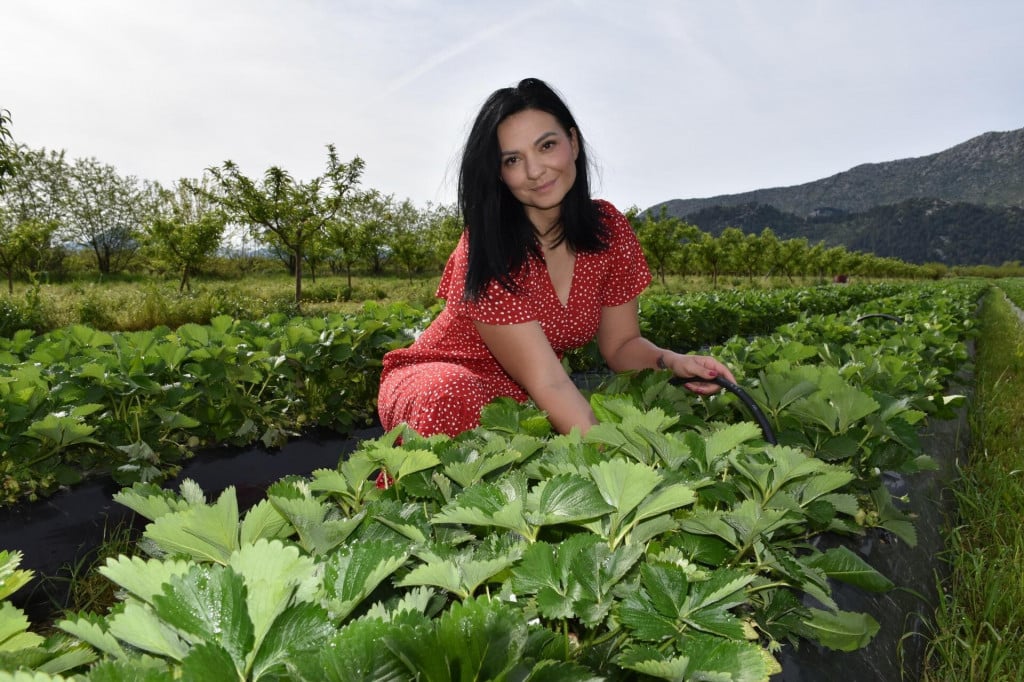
(551, 283)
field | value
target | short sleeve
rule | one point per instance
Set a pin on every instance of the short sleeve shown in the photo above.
(496, 306)
(628, 274)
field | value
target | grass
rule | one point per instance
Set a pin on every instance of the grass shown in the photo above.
(78, 586)
(136, 302)
(979, 630)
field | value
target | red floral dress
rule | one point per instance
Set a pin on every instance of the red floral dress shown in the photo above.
(440, 383)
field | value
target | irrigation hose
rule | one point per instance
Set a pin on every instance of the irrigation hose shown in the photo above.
(886, 316)
(752, 406)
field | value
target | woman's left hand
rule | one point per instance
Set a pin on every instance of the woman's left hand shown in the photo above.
(700, 366)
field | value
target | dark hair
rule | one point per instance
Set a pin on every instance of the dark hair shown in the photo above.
(501, 237)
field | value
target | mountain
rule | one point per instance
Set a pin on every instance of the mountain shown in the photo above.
(964, 205)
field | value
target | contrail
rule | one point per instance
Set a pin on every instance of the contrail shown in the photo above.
(460, 48)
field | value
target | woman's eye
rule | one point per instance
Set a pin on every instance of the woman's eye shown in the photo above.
(548, 144)
(510, 160)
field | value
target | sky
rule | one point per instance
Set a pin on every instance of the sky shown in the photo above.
(676, 98)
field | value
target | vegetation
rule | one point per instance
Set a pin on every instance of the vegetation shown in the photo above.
(960, 207)
(919, 230)
(6, 148)
(287, 215)
(82, 402)
(64, 220)
(672, 542)
(186, 230)
(669, 543)
(980, 633)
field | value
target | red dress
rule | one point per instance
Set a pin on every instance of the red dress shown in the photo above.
(440, 383)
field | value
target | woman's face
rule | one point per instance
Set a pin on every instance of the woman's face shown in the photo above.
(538, 163)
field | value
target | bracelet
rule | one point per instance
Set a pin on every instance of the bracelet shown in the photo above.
(661, 362)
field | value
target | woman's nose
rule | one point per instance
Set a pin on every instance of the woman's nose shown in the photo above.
(534, 168)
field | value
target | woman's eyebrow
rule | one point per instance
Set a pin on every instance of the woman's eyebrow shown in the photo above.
(541, 138)
(545, 136)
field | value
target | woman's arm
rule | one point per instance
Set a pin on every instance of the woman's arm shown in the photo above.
(623, 348)
(526, 354)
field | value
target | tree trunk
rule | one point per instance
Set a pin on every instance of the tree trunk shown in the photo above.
(102, 258)
(298, 274)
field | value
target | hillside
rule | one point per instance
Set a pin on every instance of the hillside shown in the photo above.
(987, 169)
(915, 230)
(961, 206)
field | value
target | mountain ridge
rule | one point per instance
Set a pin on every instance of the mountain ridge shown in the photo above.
(960, 206)
(987, 169)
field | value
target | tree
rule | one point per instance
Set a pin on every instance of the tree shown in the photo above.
(352, 233)
(815, 262)
(316, 253)
(663, 239)
(105, 213)
(38, 192)
(187, 228)
(22, 244)
(283, 212)
(751, 255)
(409, 247)
(444, 226)
(791, 257)
(732, 241)
(7, 148)
(32, 208)
(711, 255)
(836, 260)
(770, 249)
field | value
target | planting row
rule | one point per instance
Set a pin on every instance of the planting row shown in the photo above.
(672, 542)
(1014, 289)
(79, 402)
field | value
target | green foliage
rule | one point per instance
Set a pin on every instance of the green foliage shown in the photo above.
(79, 402)
(576, 556)
(671, 541)
(7, 152)
(282, 213)
(663, 240)
(187, 229)
(24, 653)
(978, 633)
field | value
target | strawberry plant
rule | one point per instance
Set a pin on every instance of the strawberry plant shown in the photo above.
(672, 542)
(78, 402)
(26, 650)
(163, 393)
(657, 546)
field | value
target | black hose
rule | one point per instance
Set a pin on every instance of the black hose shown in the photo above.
(744, 397)
(887, 316)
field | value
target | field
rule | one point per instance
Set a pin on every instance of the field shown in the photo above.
(674, 542)
(132, 303)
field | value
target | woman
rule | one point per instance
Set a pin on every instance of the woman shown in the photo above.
(541, 268)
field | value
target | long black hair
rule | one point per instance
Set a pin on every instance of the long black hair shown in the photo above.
(501, 237)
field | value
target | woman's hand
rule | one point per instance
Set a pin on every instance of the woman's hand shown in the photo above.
(701, 366)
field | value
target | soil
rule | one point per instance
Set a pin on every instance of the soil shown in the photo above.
(65, 529)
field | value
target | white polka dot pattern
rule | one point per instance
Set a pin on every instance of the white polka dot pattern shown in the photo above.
(440, 383)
